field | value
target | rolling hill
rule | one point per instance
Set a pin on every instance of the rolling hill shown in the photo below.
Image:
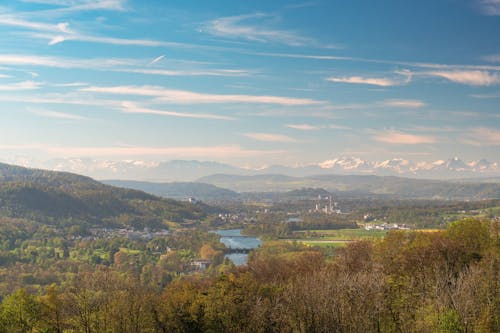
(368, 185)
(63, 199)
(178, 190)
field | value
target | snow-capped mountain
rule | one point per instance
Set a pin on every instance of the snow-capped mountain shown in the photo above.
(346, 163)
(182, 170)
(451, 168)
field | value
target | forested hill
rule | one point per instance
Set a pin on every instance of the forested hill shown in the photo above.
(178, 190)
(63, 199)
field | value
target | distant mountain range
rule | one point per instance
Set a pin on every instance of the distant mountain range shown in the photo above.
(59, 196)
(183, 170)
(361, 185)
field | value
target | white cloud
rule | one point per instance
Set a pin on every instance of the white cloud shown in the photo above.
(381, 82)
(189, 97)
(401, 138)
(238, 27)
(338, 127)
(25, 85)
(490, 7)
(58, 98)
(192, 72)
(469, 77)
(269, 137)
(304, 127)
(81, 5)
(307, 127)
(113, 64)
(492, 58)
(60, 62)
(57, 40)
(10, 20)
(129, 107)
(155, 60)
(71, 84)
(58, 33)
(220, 151)
(403, 103)
(482, 136)
(57, 115)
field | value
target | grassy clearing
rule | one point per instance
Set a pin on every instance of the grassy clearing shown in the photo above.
(334, 244)
(340, 235)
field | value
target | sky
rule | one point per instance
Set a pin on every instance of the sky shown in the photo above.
(249, 83)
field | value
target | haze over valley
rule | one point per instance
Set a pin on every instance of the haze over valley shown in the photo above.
(249, 166)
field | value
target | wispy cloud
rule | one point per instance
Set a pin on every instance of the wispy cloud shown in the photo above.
(71, 84)
(155, 60)
(469, 77)
(482, 136)
(486, 96)
(381, 82)
(60, 98)
(114, 65)
(61, 32)
(307, 127)
(192, 72)
(82, 37)
(56, 115)
(130, 151)
(374, 81)
(403, 103)
(61, 62)
(269, 137)
(255, 27)
(25, 85)
(301, 5)
(11, 20)
(129, 107)
(490, 7)
(189, 97)
(492, 58)
(387, 81)
(401, 138)
(304, 127)
(81, 5)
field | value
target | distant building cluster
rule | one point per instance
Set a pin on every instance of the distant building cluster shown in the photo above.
(227, 217)
(130, 233)
(200, 264)
(387, 226)
(326, 205)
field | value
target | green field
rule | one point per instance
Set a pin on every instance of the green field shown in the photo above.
(335, 238)
(324, 243)
(340, 235)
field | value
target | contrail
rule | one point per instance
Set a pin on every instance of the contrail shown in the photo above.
(157, 59)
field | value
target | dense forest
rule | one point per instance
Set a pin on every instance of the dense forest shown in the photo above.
(80, 256)
(443, 281)
(65, 200)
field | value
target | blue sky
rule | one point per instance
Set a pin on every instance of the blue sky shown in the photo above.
(249, 83)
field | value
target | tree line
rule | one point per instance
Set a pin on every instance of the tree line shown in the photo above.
(443, 281)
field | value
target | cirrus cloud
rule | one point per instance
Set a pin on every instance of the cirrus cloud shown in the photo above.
(189, 97)
(402, 138)
(469, 77)
(269, 137)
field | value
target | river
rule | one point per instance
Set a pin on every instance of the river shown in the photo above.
(233, 239)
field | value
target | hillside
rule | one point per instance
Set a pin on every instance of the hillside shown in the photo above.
(370, 185)
(178, 190)
(64, 199)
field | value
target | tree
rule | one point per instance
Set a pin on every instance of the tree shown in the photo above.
(20, 312)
